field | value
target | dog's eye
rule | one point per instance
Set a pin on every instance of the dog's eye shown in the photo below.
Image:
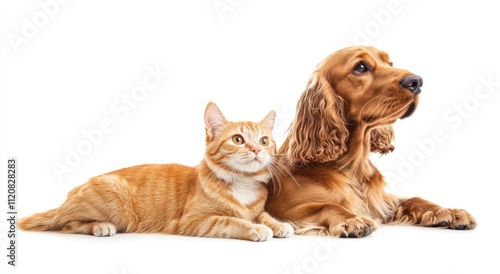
(360, 69)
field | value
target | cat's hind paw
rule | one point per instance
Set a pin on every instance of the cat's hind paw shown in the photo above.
(104, 229)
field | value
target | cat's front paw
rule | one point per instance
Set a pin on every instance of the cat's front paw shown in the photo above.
(282, 230)
(261, 233)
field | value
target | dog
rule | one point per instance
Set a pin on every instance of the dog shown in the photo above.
(330, 187)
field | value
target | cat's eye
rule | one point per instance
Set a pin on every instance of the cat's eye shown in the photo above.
(238, 139)
(264, 141)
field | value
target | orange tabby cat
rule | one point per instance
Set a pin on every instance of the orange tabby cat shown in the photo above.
(221, 197)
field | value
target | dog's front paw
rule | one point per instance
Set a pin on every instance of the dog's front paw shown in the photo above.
(353, 228)
(450, 218)
(462, 220)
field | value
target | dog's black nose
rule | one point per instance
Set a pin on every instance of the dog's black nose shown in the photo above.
(413, 83)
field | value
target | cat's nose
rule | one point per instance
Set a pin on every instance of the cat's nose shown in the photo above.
(255, 150)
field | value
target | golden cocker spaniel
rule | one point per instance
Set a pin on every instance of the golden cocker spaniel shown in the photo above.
(352, 99)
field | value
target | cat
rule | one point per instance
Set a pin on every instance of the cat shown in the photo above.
(222, 197)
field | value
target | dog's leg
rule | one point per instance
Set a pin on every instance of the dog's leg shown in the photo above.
(418, 211)
(330, 219)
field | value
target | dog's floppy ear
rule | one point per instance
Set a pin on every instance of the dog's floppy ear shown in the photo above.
(318, 133)
(381, 138)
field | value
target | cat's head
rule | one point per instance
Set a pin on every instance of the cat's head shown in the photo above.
(238, 147)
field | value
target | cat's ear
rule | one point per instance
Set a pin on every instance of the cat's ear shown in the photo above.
(214, 119)
(268, 121)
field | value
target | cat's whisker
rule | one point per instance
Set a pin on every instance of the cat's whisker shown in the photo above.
(283, 169)
(274, 174)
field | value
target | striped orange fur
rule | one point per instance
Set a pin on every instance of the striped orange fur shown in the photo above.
(223, 196)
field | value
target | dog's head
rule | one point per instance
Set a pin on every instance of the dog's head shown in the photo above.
(351, 87)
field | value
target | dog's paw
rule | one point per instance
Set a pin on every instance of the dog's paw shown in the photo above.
(449, 218)
(462, 220)
(353, 228)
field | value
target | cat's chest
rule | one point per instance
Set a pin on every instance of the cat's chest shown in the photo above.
(246, 191)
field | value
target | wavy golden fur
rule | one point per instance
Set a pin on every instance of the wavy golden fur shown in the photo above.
(347, 111)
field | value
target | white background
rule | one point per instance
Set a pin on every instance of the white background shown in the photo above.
(66, 75)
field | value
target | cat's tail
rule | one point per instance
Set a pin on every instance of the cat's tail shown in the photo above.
(43, 221)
